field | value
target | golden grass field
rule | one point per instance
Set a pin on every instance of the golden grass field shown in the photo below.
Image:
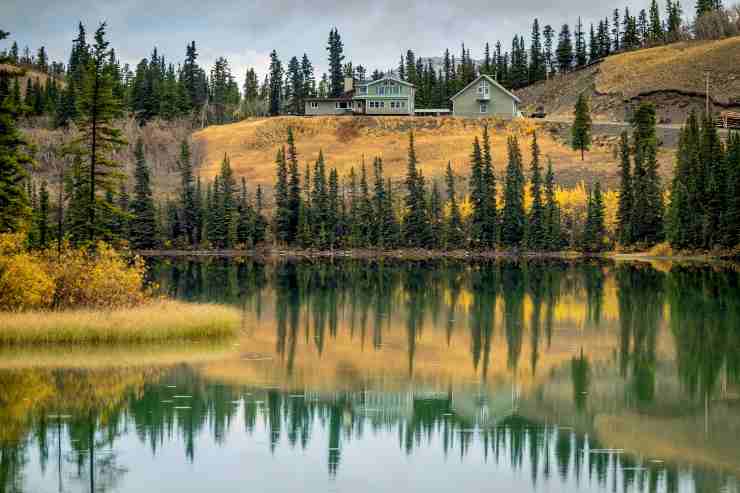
(158, 321)
(677, 66)
(251, 146)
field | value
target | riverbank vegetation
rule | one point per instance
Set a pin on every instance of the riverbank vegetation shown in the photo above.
(156, 321)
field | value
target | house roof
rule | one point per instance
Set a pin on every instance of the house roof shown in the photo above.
(492, 81)
(387, 77)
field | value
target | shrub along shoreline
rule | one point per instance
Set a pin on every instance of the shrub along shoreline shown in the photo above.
(93, 295)
(154, 321)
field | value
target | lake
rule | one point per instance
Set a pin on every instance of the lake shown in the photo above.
(360, 376)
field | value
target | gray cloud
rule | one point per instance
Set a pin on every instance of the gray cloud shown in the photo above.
(374, 33)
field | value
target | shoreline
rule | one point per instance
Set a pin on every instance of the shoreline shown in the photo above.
(417, 254)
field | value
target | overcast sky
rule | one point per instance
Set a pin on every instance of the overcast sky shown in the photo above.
(374, 32)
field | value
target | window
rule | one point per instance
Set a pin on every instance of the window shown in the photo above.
(483, 87)
(484, 107)
(381, 90)
(363, 89)
(314, 104)
(403, 104)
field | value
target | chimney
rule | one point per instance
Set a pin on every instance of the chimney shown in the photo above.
(348, 84)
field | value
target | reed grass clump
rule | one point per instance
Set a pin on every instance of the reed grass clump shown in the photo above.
(154, 321)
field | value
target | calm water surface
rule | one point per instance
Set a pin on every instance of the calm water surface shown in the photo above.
(398, 377)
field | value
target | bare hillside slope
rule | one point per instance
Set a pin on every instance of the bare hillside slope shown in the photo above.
(671, 76)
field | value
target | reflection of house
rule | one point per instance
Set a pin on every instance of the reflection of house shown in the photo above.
(485, 97)
(386, 96)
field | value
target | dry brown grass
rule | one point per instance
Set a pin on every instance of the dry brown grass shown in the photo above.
(677, 66)
(161, 320)
(252, 144)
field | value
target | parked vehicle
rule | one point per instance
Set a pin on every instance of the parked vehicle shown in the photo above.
(539, 112)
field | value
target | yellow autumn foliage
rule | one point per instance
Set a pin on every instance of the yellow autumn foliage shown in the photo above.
(98, 278)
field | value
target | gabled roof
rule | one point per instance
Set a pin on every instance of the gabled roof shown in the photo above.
(492, 81)
(370, 83)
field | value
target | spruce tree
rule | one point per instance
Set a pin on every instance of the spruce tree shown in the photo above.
(99, 137)
(333, 219)
(187, 193)
(594, 233)
(477, 196)
(294, 187)
(143, 215)
(43, 217)
(536, 230)
(276, 84)
(513, 216)
(282, 209)
(454, 234)
(490, 206)
(683, 228)
(564, 51)
(227, 205)
(14, 203)
(436, 222)
(581, 56)
(336, 59)
(365, 210)
(581, 131)
(416, 223)
(647, 218)
(626, 194)
(552, 211)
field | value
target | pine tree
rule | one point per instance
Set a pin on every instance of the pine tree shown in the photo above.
(552, 211)
(365, 210)
(581, 130)
(294, 187)
(333, 219)
(594, 233)
(276, 80)
(647, 218)
(99, 137)
(626, 196)
(564, 52)
(416, 224)
(43, 217)
(581, 56)
(187, 193)
(477, 196)
(436, 222)
(683, 228)
(656, 26)
(227, 205)
(490, 206)
(454, 234)
(536, 230)
(282, 209)
(513, 216)
(616, 32)
(143, 220)
(336, 58)
(14, 203)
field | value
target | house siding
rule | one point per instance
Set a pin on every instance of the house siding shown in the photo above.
(500, 104)
(325, 108)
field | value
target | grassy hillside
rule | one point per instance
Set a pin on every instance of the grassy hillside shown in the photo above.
(671, 76)
(252, 144)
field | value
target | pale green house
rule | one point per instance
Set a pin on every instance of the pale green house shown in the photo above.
(484, 97)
